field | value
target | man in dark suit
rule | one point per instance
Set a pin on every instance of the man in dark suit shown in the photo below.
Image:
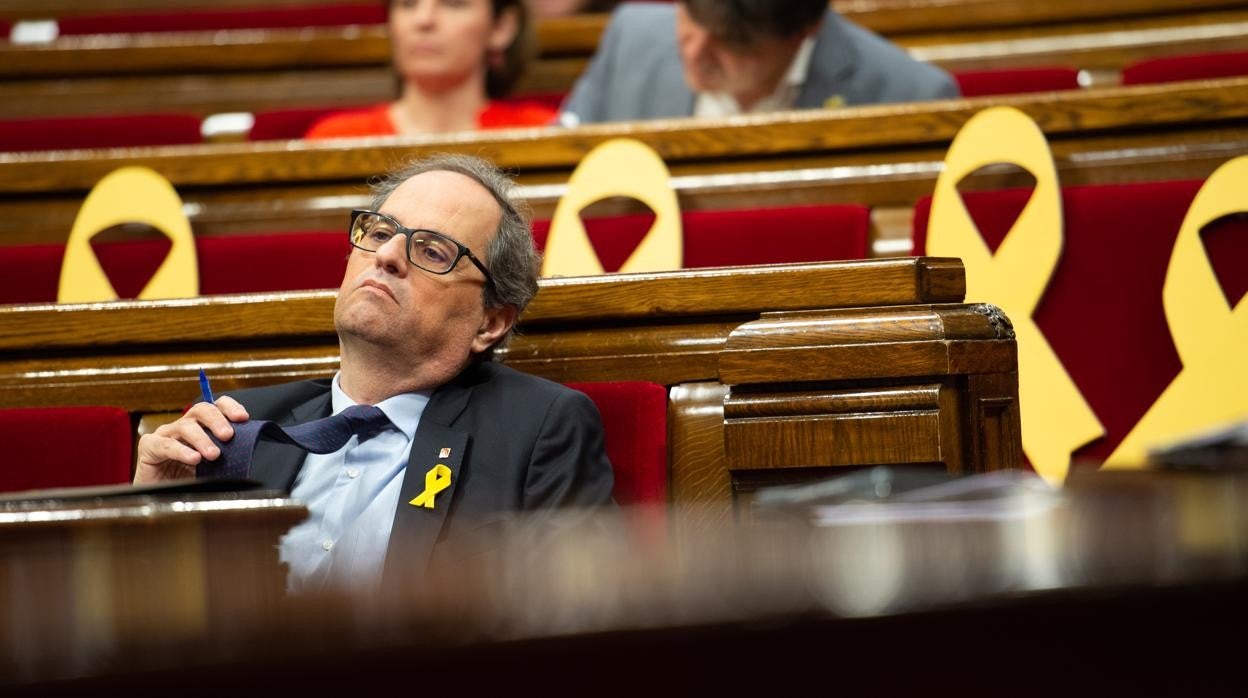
(442, 267)
(719, 58)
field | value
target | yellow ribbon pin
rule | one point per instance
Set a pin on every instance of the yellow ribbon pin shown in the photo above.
(437, 479)
(1209, 334)
(1056, 419)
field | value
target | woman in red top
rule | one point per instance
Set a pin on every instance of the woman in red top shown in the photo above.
(455, 59)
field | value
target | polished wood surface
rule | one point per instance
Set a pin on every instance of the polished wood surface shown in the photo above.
(884, 157)
(250, 70)
(809, 340)
(1111, 569)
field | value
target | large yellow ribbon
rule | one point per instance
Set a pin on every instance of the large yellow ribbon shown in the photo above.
(437, 479)
(129, 195)
(1056, 419)
(1209, 334)
(619, 167)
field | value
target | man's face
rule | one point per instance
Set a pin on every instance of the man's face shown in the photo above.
(712, 66)
(435, 322)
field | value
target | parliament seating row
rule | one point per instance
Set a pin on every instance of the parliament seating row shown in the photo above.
(56, 447)
(889, 17)
(258, 70)
(884, 158)
(756, 362)
(1102, 310)
(317, 259)
(132, 130)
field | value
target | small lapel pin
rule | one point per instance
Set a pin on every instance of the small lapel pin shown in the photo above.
(444, 453)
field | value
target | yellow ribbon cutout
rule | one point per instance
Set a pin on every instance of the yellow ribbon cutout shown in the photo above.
(437, 479)
(1056, 419)
(1210, 335)
(618, 167)
(129, 195)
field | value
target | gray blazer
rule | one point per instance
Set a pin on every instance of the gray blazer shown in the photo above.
(517, 443)
(637, 74)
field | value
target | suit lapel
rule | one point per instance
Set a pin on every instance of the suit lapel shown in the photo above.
(831, 62)
(274, 464)
(416, 526)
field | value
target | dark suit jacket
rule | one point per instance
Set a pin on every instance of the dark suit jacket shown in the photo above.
(517, 443)
(636, 72)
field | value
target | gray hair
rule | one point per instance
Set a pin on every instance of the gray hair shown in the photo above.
(511, 258)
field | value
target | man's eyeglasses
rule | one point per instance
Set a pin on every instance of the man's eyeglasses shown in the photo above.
(433, 252)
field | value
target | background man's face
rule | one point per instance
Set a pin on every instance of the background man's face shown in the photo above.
(423, 317)
(712, 66)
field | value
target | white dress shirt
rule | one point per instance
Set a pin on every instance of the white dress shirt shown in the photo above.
(719, 104)
(351, 495)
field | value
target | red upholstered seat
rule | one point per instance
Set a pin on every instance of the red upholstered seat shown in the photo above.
(634, 418)
(1102, 311)
(287, 124)
(242, 18)
(739, 236)
(124, 130)
(45, 447)
(275, 262)
(227, 264)
(1004, 81)
(1190, 67)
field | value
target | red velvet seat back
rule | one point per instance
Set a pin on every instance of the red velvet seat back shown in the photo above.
(634, 418)
(227, 264)
(1192, 67)
(45, 447)
(287, 124)
(979, 83)
(1102, 311)
(126, 130)
(207, 20)
(739, 236)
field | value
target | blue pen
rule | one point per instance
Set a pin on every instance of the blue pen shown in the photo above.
(204, 388)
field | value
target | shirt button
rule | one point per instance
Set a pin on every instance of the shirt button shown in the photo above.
(327, 545)
(353, 473)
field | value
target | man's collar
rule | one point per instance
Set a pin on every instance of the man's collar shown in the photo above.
(404, 409)
(784, 96)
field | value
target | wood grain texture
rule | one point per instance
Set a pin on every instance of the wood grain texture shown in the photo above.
(701, 485)
(681, 329)
(868, 343)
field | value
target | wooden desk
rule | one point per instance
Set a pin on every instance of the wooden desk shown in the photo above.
(1118, 574)
(775, 373)
(76, 577)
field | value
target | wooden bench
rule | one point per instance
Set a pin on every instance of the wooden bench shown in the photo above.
(250, 70)
(775, 373)
(885, 157)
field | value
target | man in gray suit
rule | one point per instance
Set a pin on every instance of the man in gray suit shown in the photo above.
(725, 57)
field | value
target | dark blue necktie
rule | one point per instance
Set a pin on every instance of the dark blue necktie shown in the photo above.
(320, 436)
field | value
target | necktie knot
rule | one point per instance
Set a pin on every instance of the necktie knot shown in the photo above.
(365, 421)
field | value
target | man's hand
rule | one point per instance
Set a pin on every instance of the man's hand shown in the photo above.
(173, 450)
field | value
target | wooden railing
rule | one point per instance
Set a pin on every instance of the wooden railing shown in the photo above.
(249, 70)
(885, 157)
(772, 371)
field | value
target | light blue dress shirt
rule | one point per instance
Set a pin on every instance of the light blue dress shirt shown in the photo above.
(351, 495)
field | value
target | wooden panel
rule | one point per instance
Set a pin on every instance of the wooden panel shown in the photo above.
(865, 343)
(248, 70)
(855, 440)
(678, 141)
(669, 328)
(701, 484)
